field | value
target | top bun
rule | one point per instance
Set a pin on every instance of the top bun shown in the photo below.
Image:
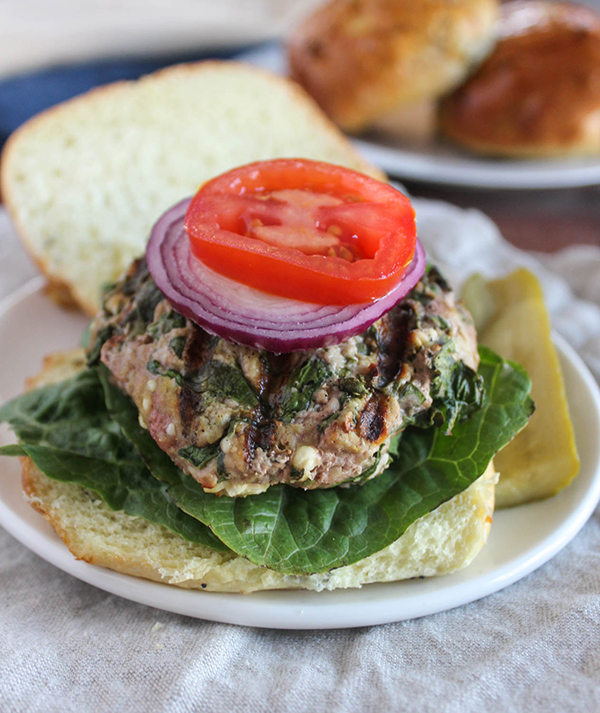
(538, 93)
(85, 180)
(361, 59)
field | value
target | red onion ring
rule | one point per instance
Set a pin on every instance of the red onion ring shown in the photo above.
(247, 316)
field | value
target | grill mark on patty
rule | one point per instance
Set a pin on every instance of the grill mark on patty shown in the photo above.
(262, 382)
(372, 420)
(259, 434)
(275, 371)
(392, 339)
(199, 349)
(189, 404)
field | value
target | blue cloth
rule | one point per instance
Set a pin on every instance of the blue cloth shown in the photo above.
(24, 95)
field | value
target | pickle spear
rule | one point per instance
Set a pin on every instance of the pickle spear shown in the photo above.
(511, 318)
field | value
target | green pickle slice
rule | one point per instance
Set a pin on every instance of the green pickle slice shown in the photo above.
(511, 318)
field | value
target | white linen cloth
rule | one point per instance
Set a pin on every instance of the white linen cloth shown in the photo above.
(534, 646)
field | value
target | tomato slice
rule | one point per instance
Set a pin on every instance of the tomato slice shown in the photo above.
(305, 230)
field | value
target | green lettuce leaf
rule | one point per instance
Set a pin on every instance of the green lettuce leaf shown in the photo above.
(66, 430)
(13, 450)
(304, 532)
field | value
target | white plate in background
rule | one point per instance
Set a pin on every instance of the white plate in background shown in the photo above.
(521, 539)
(440, 162)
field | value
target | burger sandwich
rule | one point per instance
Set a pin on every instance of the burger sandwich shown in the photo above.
(280, 393)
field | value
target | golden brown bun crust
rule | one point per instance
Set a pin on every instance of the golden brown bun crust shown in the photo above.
(538, 93)
(363, 58)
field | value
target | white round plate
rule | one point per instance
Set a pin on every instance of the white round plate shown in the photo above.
(521, 539)
(441, 163)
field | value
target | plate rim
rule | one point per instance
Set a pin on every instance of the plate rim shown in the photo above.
(300, 609)
(472, 172)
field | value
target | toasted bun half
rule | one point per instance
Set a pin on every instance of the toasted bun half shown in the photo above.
(538, 93)
(85, 181)
(364, 59)
(443, 541)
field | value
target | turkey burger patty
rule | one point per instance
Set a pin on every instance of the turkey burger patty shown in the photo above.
(239, 419)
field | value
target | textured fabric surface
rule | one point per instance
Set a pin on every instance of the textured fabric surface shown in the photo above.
(531, 647)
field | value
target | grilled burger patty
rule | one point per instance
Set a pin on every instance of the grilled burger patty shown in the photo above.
(239, 419)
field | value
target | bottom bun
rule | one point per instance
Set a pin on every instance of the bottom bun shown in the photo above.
(443, 541)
